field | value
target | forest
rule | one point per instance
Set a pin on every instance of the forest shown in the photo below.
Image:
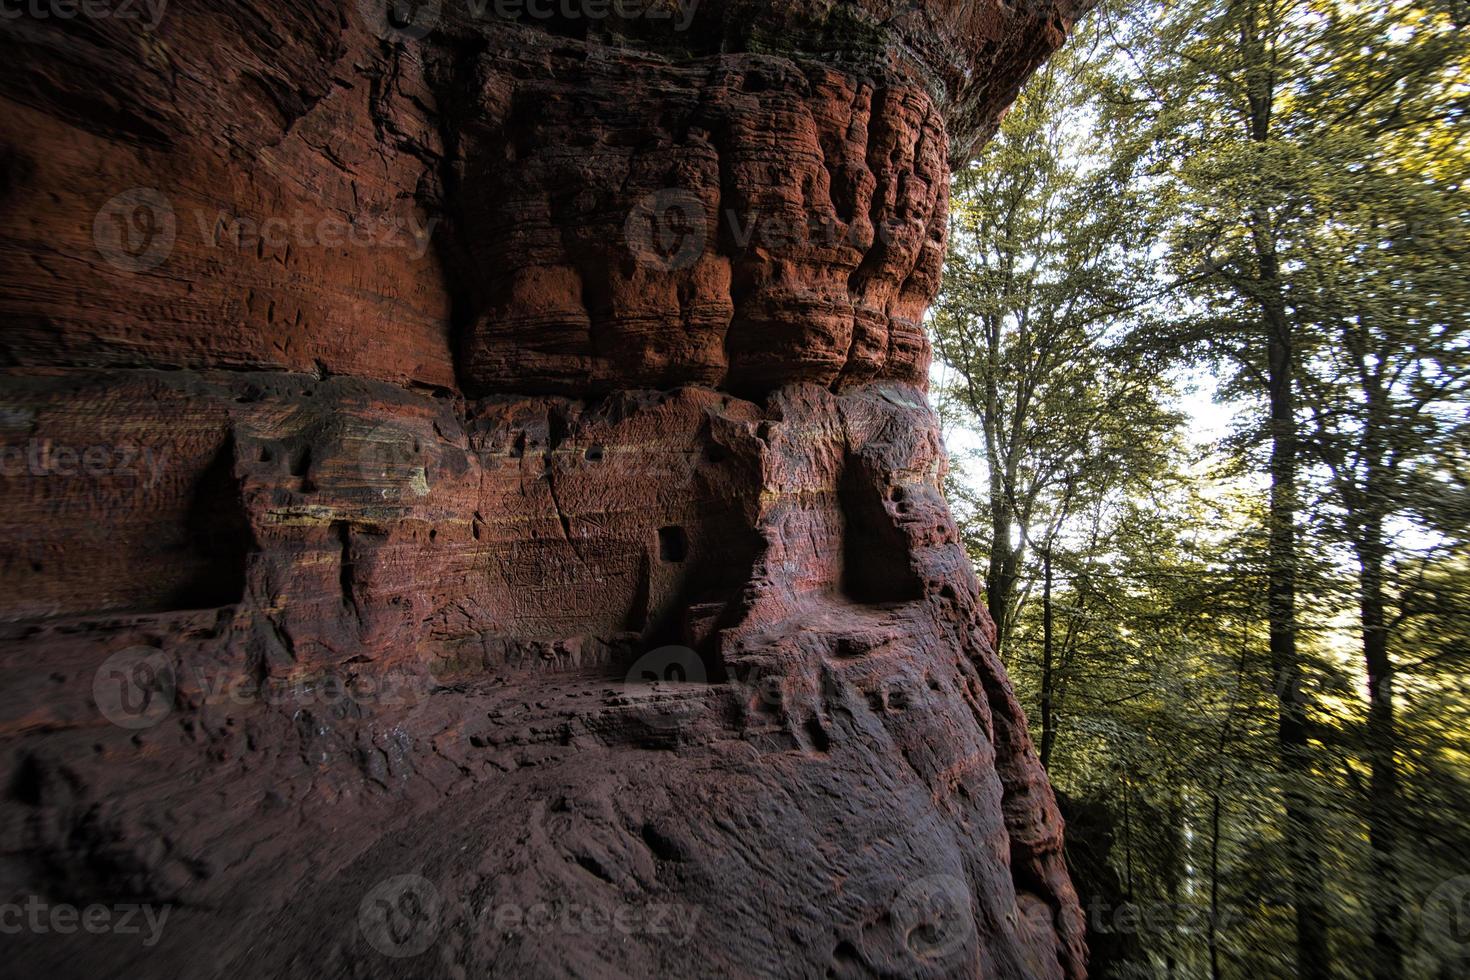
(1203, 364)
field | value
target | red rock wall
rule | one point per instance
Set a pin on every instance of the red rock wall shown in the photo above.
(387, 403)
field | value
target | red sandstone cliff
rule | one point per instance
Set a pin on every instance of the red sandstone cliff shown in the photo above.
(396, 409)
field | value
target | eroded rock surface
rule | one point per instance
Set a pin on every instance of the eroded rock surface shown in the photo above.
(471, 503)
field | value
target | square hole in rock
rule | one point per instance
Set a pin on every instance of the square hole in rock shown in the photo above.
(673, 543)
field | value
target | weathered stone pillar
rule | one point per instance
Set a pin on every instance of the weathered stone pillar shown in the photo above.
(471, 502)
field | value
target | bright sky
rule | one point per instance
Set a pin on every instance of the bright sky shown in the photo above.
(1209, 422)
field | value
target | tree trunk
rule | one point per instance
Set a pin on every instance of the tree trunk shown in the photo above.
(1048, 732)
(1292, 743)
(1127, 836)
(1312, 956)
(1383, 788)
(1213, 938)
(1000, 575)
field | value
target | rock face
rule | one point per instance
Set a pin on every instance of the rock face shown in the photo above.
(471, 504)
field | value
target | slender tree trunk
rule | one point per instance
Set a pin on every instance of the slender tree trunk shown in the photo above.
(1313, 962)
(1383, 789)
(1305, 862)
(1127, 835)
(1048, 731)
(1000, 575)
(1174, 870)
(1213, 937)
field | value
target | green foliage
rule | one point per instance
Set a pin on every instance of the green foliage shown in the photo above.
(1046, 271)
(1184, 173)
